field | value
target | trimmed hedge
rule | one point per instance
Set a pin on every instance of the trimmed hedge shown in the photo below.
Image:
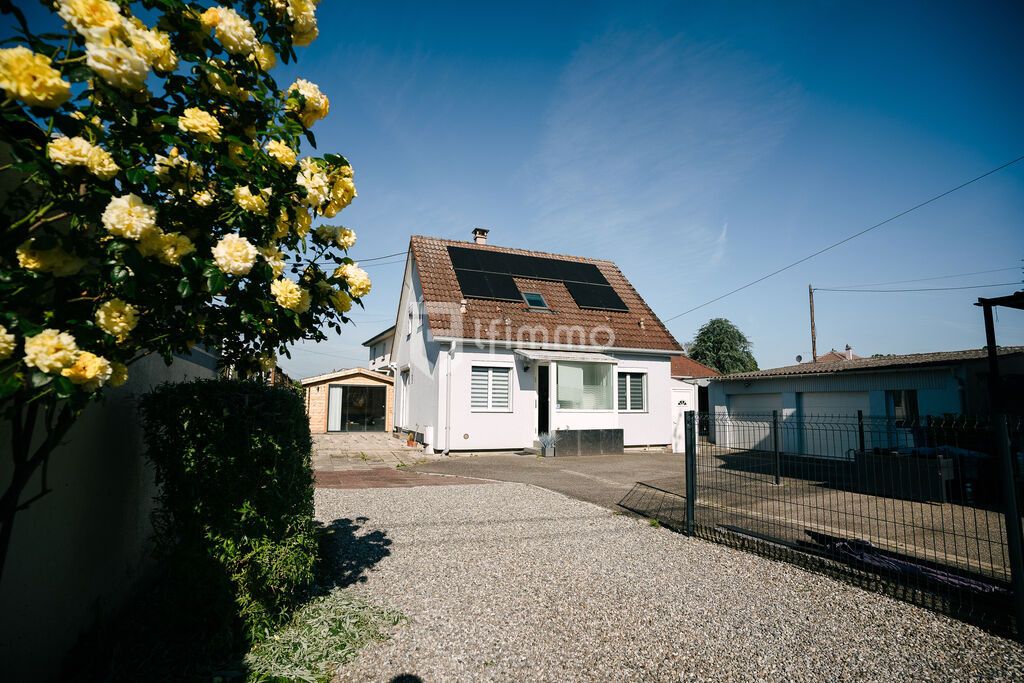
(235, 526)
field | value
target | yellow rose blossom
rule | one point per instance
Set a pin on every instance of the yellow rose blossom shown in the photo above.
(316, 105)
(275, 257)
(289, 295)
(7, 343)
(118, 374)
(203, 197)
(117, 318)
(118, 64)
(343, 237)
(129, 217)
(283, 225)
(303, 16)
(254, 203)
(201, 124)
(152, 45)
(168, 248)
(341, 300)
(234, 255)
(342, 193)
(357, 279)
(29, 77)
(284, 154)
(85, 16)
(233, 31)
(265, 57)
(78, 151)
(89, 370)
(50, 350)
(55, 261)
(101, 164)
(315, 182)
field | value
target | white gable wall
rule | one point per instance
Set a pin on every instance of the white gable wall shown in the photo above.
(417, 357)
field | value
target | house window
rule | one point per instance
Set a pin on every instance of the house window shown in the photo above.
(490, 389)
(534, 300)
(632, 391)
(584, 386)
(903, 406)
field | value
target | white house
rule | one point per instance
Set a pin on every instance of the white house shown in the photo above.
(494, 347)
(380, 350)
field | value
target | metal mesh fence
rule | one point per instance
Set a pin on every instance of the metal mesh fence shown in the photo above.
(911, 508)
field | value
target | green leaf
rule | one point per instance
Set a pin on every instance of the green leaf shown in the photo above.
(9, 385)
(310, 137)
(185, 287)
(216, 281)
(64, 386)
(119, 274)
(137, 175)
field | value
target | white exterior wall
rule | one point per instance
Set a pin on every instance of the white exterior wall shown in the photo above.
(487, 430)
(653, 427)
(380, 360)
(416, 403)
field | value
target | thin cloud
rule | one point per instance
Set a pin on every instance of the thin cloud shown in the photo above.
(645, 141)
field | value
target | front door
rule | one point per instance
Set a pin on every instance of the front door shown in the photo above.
(542, 399)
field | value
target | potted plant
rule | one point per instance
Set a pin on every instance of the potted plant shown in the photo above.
(547, 445)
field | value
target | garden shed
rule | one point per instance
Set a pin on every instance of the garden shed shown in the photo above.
(352, 400)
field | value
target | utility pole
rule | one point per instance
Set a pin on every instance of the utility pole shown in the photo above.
(814, 336)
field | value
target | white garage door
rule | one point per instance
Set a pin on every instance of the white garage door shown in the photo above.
(834, 403)
(755, 404)
(830, 422)
(749, 426)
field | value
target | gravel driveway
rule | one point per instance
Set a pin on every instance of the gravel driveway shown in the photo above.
(509, 582)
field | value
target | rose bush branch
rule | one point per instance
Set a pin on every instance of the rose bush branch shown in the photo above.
(155, 198)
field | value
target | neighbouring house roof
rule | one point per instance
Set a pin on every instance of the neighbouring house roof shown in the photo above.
(687, 367)
(507, 321)
(891, 362)
(834, 355)
(347, 373)
(380, 336)
(567, 356)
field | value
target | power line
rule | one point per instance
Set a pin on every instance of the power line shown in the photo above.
(384, 263)
(921, 289)
(926, 279)
(847, 239)
(380, 258)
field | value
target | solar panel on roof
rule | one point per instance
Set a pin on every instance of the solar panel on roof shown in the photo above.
(486, 274)
(601, 297)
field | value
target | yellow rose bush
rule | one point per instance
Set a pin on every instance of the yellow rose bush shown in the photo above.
(159, 191)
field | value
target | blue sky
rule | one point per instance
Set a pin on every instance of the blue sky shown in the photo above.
(698, 145)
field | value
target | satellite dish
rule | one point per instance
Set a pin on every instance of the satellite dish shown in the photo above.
(799, 359)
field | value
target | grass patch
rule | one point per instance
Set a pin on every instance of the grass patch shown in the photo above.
(654, 522)
(324, 634)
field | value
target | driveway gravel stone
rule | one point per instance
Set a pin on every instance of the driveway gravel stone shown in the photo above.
(508, 582)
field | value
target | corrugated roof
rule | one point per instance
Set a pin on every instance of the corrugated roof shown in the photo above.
(509, 321)
(687, 367)
(875, 363)
(567, 356)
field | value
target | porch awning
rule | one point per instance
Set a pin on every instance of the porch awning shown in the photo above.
(568, 356)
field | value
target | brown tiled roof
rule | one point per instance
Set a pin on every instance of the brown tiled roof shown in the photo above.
(891, 362)
(513, 320)
(834, 355)
(687, 367)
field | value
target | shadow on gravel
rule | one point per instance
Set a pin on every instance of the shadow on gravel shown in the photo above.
(348, 554)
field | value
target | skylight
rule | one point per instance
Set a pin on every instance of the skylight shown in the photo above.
(534, 300)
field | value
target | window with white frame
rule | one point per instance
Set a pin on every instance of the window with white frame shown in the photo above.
(490, 388)
(632, 391)
(584, 386)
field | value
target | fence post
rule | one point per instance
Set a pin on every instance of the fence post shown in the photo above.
(1012, 514)
(775, 447)
(860, 431)
(691, 468)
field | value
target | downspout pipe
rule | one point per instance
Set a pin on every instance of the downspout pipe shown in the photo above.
(448, 398)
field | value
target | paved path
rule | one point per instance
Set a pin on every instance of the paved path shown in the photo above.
(345, 451)
(506, 582)
(384, 478)
(600, 479)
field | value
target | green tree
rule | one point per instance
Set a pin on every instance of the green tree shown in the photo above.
(720, 345)
(152, 198)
